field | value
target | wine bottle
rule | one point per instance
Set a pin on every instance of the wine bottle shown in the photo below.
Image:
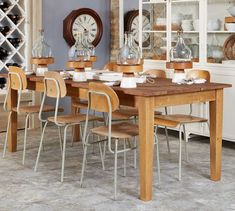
(2, 82)
(14, 18)
(15, 41)
(13, 64)
(4, 30)
(4, 6)
(4, 53)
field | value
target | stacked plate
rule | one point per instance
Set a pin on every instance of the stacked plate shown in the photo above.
(229, 47)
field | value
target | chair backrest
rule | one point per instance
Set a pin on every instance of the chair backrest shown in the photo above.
(98, 98)
(111, 66)
(17, 81)
(16, 78)
(54, 85)
(157, 73)
(204, 74)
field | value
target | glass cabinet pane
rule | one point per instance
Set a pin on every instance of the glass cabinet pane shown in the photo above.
(188, 20)
(220, 30)
(154, 30)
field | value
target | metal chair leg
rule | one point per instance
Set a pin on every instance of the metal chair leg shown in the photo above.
(124, 158)
(104, 152)
(25, 136)
(40, 146)
(63, 155)
(101, 154)
(135, 153)
(186, 142)
(60, 138)
(7, 133)
(180, 152)
(167, 140)
(158, 160)
(84, 159)
(115, 169)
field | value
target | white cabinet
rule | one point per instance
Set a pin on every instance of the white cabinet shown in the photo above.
(206, 40)
(15, 40)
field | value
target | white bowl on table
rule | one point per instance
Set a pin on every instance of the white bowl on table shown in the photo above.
(230, 26)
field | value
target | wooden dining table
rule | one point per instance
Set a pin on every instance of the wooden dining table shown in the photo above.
(148, 97)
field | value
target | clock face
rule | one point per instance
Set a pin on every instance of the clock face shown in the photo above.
(132, 24)
(81, 20)
(85, 22)
(135, 28)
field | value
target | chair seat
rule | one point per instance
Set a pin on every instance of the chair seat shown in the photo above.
(175, 119)
(120, 130)
(70, 119)
(35, 109)
(82, 105)
(126, 112)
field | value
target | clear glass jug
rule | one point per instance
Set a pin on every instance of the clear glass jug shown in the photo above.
(41, 49)
(180, 52)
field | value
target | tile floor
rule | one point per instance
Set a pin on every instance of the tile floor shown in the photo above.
(23, 189)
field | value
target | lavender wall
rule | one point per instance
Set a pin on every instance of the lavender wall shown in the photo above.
(54, 11)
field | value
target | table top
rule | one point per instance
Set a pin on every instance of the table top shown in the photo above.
(159, 88)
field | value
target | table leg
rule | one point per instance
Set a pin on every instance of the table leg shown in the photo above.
(216, 124)
(12, 137)
(76, 128)
(146, 128)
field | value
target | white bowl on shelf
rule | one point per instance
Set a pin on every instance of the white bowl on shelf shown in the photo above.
(230, 26)
(213, 25)
(231, 10)
(196, 24)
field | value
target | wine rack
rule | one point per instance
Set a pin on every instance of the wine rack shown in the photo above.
(14, 36)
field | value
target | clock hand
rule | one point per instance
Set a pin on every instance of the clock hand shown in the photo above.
(82, 25)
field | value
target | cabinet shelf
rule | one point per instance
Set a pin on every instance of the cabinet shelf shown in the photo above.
(220, 32)
(153, 31)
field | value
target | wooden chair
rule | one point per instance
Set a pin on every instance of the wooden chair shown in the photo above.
(102, 98)
(17, 81)
(54, 87)
(180, 120)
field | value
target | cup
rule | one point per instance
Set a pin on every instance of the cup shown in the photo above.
(128, 82)
(41, 70)
(178, 77)
(79, 76)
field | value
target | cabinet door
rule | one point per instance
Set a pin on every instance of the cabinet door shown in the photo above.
(154, 29)
(220, 29)
(187, 19)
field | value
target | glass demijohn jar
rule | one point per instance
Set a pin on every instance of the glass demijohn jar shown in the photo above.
(88, 44)
(128, 54)
(41, 49)
(180, 52)
(79, 52)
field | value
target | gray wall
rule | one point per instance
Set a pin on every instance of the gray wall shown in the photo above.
(130, 5)
(54, 12)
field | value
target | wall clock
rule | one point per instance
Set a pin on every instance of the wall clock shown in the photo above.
(131, 23)
(80, 20)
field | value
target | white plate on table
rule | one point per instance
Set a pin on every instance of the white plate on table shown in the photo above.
(29, 72)
(108, 76)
